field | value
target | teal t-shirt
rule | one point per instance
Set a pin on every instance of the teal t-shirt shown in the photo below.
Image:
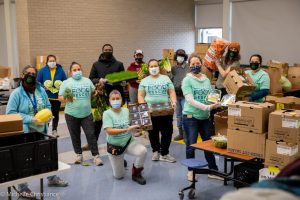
(199, 88)
(156, 89)
(120, 119)
(261, 80)
(81, 90)
(40, 106)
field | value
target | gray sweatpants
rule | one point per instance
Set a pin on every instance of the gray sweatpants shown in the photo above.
(134, 149)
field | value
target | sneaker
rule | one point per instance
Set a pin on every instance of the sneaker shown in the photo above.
(212, 176)
(78, 159)
(27, 194)
(155, 156)
(98, 161)
(178, 137)
(190, 176)
(54, 133)
(85, 147)
(57, 182)
(167, 158)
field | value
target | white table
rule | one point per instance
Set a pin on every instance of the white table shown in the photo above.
(62, 167)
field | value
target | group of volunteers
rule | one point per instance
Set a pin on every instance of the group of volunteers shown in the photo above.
(186, 88)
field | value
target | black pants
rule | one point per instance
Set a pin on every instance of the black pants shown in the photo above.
(55, 106)
(87, 124)
(97, 131)
(164, 125)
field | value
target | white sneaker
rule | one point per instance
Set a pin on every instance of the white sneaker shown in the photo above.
(212, 176)
(190, 176)
(98, 161)
(78, 159)
(167, 158)
(155, 156)
(54, 133)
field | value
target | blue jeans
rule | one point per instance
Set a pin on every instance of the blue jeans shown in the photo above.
(192, 128)
(179, 109)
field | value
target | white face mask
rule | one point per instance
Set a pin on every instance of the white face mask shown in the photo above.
(51, 64)
(154, 71)
(180, 59)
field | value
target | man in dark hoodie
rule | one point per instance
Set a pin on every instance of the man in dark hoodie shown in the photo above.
(106, 64)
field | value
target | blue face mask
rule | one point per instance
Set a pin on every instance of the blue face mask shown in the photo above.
(196, 69)
(116, 103)
(77, 75)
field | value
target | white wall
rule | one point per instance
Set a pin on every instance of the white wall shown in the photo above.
(208, 16)
(3, 46)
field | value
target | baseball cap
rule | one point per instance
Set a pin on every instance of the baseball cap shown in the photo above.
(138, 51)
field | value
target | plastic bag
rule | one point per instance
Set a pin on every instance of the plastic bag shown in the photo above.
(4, 84)
(215, 51)
(228, 99)
(214, 96)
(220, 141)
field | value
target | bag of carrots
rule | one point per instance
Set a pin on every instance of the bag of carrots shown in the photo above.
(215, 51)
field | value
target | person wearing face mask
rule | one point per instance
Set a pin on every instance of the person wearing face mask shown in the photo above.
(120, 140)
(178, 72)
(135, 66)
(195, 87)
(225, 64)
(51, 76)
(260, 78)
(28, 99)
(78, 112)
(157, 88)
(106, 64)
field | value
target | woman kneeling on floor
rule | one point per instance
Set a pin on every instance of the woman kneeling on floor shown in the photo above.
(121, 141)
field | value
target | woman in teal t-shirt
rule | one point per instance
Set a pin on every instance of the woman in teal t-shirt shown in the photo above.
(260, 78)
(158, 88)
(119, 136)
(195, 88)
(78, 112)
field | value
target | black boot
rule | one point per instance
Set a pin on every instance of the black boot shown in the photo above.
(137, 176)
(180, 135)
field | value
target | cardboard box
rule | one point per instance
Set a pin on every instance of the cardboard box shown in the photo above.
(139, 115)
(5, 72)
(201, 48)
(288, 102)
(283, 66)
(240, 85)
(294, 76)
(10, 124)
(168, 53)
(275, 76)
(249, 116)
(284, 125)
(279, 154)
(220, 122)
(246, 143)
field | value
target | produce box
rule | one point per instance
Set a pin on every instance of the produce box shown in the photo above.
(10, 124)
(239, 84)
(249, 116)
(26, 155)
(288, 102)
(220, 122)
(294, 76)
(168, 53)
(284, 125)
(5, 72)
(280, 154)
(283, 66)
(246, 143)
(275, 76)
(139, 115)
(201, 48)
(161, 109)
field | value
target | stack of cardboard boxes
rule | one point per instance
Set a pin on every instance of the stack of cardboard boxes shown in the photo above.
(247, 127)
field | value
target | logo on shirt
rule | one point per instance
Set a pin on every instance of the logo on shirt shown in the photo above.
(120, 123)
(81, 91)
(157, 88)
(200, 94)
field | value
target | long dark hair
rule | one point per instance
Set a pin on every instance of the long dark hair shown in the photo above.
(236, 58)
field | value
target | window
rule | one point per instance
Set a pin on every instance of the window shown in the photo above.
(206, 35)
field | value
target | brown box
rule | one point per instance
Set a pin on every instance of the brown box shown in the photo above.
(161, 109)
(5, 72)
(249, 116)
(294, 76)
(288, 102)
(246, 143)
(279, 154)
(283, 66)
(284, 125)
(201, 48)
(10, 124)
(275, 76)
(240, 85)
(220, 122)
(168, 53)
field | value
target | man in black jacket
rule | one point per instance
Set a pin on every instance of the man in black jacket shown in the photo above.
(106, 64)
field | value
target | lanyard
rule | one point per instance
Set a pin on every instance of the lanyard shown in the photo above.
(33, 102)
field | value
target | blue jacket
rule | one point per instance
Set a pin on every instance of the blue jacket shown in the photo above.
(19, 103)
(44, 75)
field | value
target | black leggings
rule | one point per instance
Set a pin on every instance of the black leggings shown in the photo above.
(55, 107)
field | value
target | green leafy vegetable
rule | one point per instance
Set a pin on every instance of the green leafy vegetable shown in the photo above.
(121, 76)
(165, 64)
(99, 102)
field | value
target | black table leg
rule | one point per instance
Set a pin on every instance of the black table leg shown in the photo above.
(9, 193)
(42, 189)
(225, 169)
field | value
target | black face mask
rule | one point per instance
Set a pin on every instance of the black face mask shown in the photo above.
(196, 69)
(139, 60)
(232, 54)
(254, 66)
(107, 55)
(29, 79)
